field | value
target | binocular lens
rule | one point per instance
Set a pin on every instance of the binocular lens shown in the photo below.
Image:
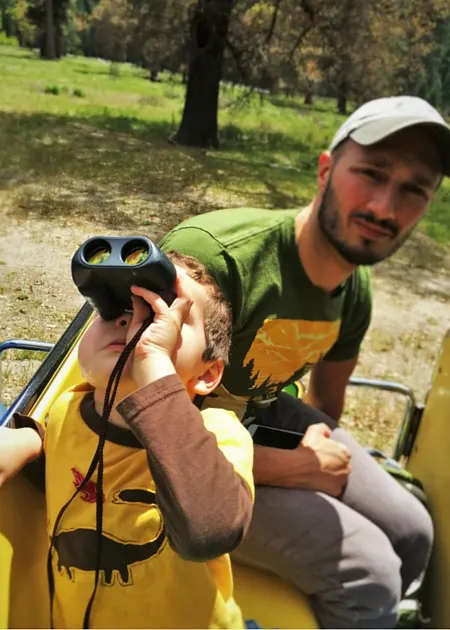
(136, 256)
(99, 255)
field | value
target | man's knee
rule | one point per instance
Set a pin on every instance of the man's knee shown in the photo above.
(368, 590)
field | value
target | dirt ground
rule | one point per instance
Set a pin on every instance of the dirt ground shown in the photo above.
(38, 299)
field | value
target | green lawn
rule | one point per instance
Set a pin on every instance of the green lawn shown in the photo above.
(77, 132)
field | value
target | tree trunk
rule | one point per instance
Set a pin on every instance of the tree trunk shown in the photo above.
(209, 28)
(49, 32)
(59, 39)
(8, 23)
(342, 104)
(59, 50)
(309, 95)
(342, 94)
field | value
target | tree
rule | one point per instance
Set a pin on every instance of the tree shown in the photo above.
(112, 27)
(209, 29)
(49, 33)
(7, 22)
(266, 41)
(160, 37)
(434, 84)
(49, 18)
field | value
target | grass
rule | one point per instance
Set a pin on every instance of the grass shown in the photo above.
(85, 150)
(72, 121)
(269, 152)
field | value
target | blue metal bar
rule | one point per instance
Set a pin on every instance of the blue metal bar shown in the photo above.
(23, 344)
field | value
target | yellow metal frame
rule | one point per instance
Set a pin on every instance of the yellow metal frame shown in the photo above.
(430, 462)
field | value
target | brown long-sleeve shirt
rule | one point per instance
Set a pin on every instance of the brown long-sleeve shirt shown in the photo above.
(205, 504)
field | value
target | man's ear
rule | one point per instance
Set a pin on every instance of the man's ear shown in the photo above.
(207, 382)
(324, 169)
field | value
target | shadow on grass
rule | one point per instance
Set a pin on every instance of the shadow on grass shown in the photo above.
(13, 52)
(125, 165)
(119, 168)
(294, 102)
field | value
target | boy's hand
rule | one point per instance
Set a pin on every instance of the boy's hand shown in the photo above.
(17, 448)
(152, 356)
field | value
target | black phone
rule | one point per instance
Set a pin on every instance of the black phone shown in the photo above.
(274, 437)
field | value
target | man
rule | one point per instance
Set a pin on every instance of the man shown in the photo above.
(326, 516)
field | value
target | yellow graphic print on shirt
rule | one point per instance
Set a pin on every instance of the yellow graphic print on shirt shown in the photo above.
(282, 347)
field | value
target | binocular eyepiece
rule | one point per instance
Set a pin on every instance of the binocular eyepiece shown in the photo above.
(104, 268)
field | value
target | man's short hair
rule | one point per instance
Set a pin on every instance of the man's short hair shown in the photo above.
(217, 314)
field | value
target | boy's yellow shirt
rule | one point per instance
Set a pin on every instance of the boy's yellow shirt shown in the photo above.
(144, 583)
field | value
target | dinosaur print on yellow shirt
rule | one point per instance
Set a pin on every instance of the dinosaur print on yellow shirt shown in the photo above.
(281, 347)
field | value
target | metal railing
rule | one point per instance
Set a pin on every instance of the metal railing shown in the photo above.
(55, 356)
(57, 352)
(411, 416)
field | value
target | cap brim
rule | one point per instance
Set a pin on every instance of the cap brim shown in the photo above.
(378, 130)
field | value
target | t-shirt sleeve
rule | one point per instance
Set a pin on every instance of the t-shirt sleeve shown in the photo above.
(199, 473)
(356, 318)
(199, 243)
(233, 440)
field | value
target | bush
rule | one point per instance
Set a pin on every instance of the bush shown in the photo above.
(53, 89)
(8, 41)
(78, 92)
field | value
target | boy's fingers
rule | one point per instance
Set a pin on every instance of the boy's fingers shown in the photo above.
(141, 309)
(179, 311)
(153, 299)
(181, 306)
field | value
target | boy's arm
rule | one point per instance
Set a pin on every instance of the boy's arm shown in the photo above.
(18, 447)
(206, 504)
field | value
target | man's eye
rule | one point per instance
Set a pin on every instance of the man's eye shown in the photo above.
(370, 174)
(419, 192)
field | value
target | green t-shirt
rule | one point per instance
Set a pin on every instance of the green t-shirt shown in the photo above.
(282, 323)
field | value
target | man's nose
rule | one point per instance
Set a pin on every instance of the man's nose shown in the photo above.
(383, 203)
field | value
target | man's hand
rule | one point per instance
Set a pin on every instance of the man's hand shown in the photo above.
(318, 463)
(332, 460)
(152, 357)
(17, 448)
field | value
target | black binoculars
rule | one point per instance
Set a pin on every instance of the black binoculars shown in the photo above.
(105, 267)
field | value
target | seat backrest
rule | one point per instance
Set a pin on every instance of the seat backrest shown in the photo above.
(429, 462)
(6, 554)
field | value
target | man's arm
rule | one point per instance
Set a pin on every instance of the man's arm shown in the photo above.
(329, 377)
(318, 463)
(327, 385)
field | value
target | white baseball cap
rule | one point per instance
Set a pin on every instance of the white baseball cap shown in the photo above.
(382, 117)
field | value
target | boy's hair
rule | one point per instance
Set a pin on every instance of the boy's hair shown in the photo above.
(218, 312)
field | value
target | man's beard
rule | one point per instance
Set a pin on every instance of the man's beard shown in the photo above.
(365, 254)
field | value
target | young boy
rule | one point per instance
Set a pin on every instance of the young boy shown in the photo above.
(177, 487)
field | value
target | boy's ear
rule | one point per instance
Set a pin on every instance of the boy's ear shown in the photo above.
(207, 382)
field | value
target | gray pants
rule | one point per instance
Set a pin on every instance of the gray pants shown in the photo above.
(354, 556)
